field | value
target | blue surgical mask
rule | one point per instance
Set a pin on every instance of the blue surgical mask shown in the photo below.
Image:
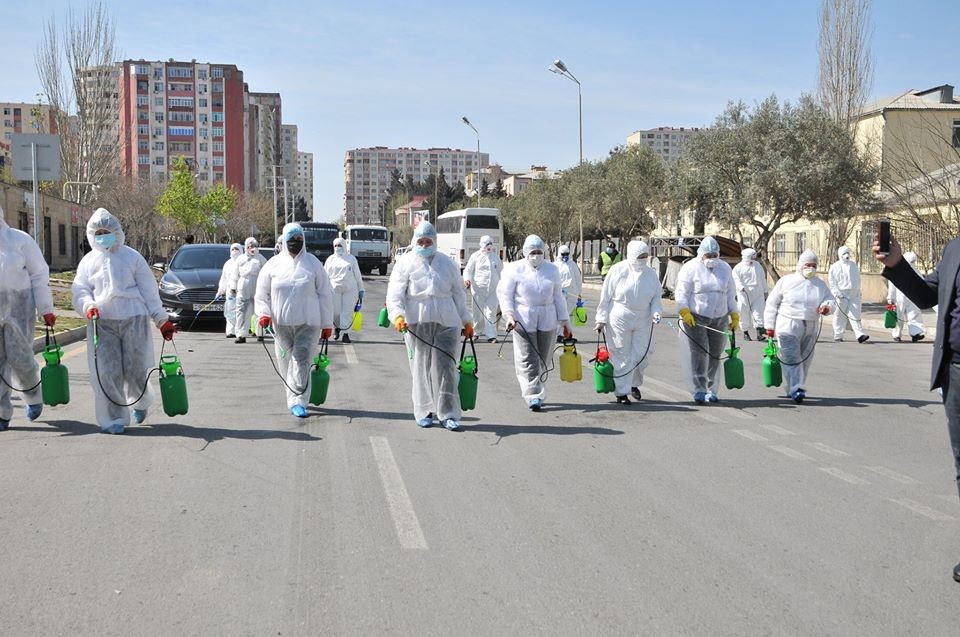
(426, 251)
(105, 241)
(565, 257)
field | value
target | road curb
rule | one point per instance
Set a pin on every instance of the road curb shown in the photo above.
(63, 338)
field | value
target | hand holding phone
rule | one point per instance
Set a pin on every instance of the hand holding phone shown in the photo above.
(884, 237)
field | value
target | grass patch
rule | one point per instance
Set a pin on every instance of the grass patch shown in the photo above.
(63, 323)
(62, 299)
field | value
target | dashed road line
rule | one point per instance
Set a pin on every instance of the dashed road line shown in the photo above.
(778, 430)
(830, 451)
(843, 475)
(750, 435)
(923, 510)
(790, 453)
(401, 508)
(893, 475)
(351, 354)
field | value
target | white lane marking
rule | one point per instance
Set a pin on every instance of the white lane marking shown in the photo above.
(750, 435)
(351, 354)
(661, 396)
(830, 451)
(893, 475)
(923, 510)
(790, 453)
(666, 387)
(778, 430)
(653, 393)
(843, 475)
(401, 508)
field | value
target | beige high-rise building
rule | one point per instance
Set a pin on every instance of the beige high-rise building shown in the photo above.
(666, 142)
(366, 174)
(305, 179)
(265, 141)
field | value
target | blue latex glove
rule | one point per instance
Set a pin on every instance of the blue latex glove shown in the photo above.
(361, 296)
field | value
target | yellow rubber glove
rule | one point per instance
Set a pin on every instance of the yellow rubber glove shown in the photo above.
(400, 323)
(734, 321)
(687, 317)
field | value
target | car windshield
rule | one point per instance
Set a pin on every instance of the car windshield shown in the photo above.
(368, 234)
(200, 258)
(318, 236)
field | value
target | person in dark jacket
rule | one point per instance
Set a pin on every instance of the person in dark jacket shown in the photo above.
(937, 288)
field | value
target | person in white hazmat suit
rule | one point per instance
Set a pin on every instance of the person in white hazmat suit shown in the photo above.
(793, 316)
(750, 282)
(426, 302)
(294, 296)
(629, 306)
(347, 284)
(481, 276)
(531, 298)
(907, 311)
(115, 286)
(844, 277)
(24, 292)
(570, 281)
(249, 265)
(707, 304)
(227, 291)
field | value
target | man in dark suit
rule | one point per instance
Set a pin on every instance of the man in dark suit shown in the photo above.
(937, 288)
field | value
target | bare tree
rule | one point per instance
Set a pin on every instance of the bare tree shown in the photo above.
(845, 77)
(75, 62)
(132, 201)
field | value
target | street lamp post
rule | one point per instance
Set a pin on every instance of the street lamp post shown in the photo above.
(560, 68)
(476, 185)
(436, 185)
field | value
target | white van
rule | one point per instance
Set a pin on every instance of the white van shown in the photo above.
(459, 232)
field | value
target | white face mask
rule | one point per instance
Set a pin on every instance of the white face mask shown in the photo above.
(808, 272)
(636, 264)
(710, 263)
(488, 249)
(338, 249)
(535, 259)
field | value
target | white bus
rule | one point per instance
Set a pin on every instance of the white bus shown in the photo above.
(459, 232)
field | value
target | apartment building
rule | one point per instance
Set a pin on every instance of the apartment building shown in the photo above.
(667, 142)
(367, 171)
(305, 179)
(183, 109)
(265, 133)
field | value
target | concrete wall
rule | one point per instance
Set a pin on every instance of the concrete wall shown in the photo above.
(63, 245)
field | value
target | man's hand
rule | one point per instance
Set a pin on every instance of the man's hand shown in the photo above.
(771, 333)
(566, 331)
(50, 319)
(264, 321)
(466, 284)
(167, 330)
(734, 321)
(687, 317)
(401, 324)
(824, 310)
(468, 330)
(510, 322)
(599, 327)
(93, 313)
(326, 333)
(893, 257)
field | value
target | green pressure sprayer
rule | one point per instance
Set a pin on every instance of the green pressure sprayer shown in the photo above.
(383, 319)
(772, 373)
(173, 386)
(319, 376)
(467, 387)
(603, 375)
(733, 366)
(890, 317)
(54, 379)
(579, 313)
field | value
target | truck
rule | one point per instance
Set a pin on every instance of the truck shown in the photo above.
(370, 245)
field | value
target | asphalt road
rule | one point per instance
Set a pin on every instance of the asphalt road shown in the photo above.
(751, 517)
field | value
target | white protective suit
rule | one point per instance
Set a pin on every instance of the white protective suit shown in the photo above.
(294, 291)
(226, 291)
(24, 291)
(249, 265)
(482, 272)
(709, 293)
(750, 282)
(570, 280)
(792, 311)
(531, 295)
(907, 311)
(426, 289)
(346, 282)
(118, 282)
(844, 277)
(629, 303)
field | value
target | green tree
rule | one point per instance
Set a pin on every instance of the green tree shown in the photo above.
(181, 203)
(498, 192)
(484, 188)
(300, 212)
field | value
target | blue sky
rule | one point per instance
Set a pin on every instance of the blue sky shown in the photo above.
(362, 73)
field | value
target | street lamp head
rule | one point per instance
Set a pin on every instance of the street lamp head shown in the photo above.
(554, 69)
(465, 121)
(560, 65)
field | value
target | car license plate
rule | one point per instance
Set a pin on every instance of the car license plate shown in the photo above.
(213, 307)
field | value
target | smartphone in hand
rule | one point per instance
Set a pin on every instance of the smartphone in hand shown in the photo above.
(884, 236)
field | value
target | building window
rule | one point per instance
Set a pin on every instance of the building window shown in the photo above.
(179, 71)
(218, 161)
(143, 130)
(217, 131)
(143, 145)
(801, 242)
(158, 101)
(217, 87)
(203, 102)
(142, 70)
(143, 159)
(218, 117)
(159, 161)
(956, 133)
(158, 132)
(143, 100)
(216, 72)
(158, 145)
(201, 74)
(181, 101)
(203, 145)
(218, 146)
(157, 87)
(62, 239)
(181, 131)
(158, 117)
(780, 246)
